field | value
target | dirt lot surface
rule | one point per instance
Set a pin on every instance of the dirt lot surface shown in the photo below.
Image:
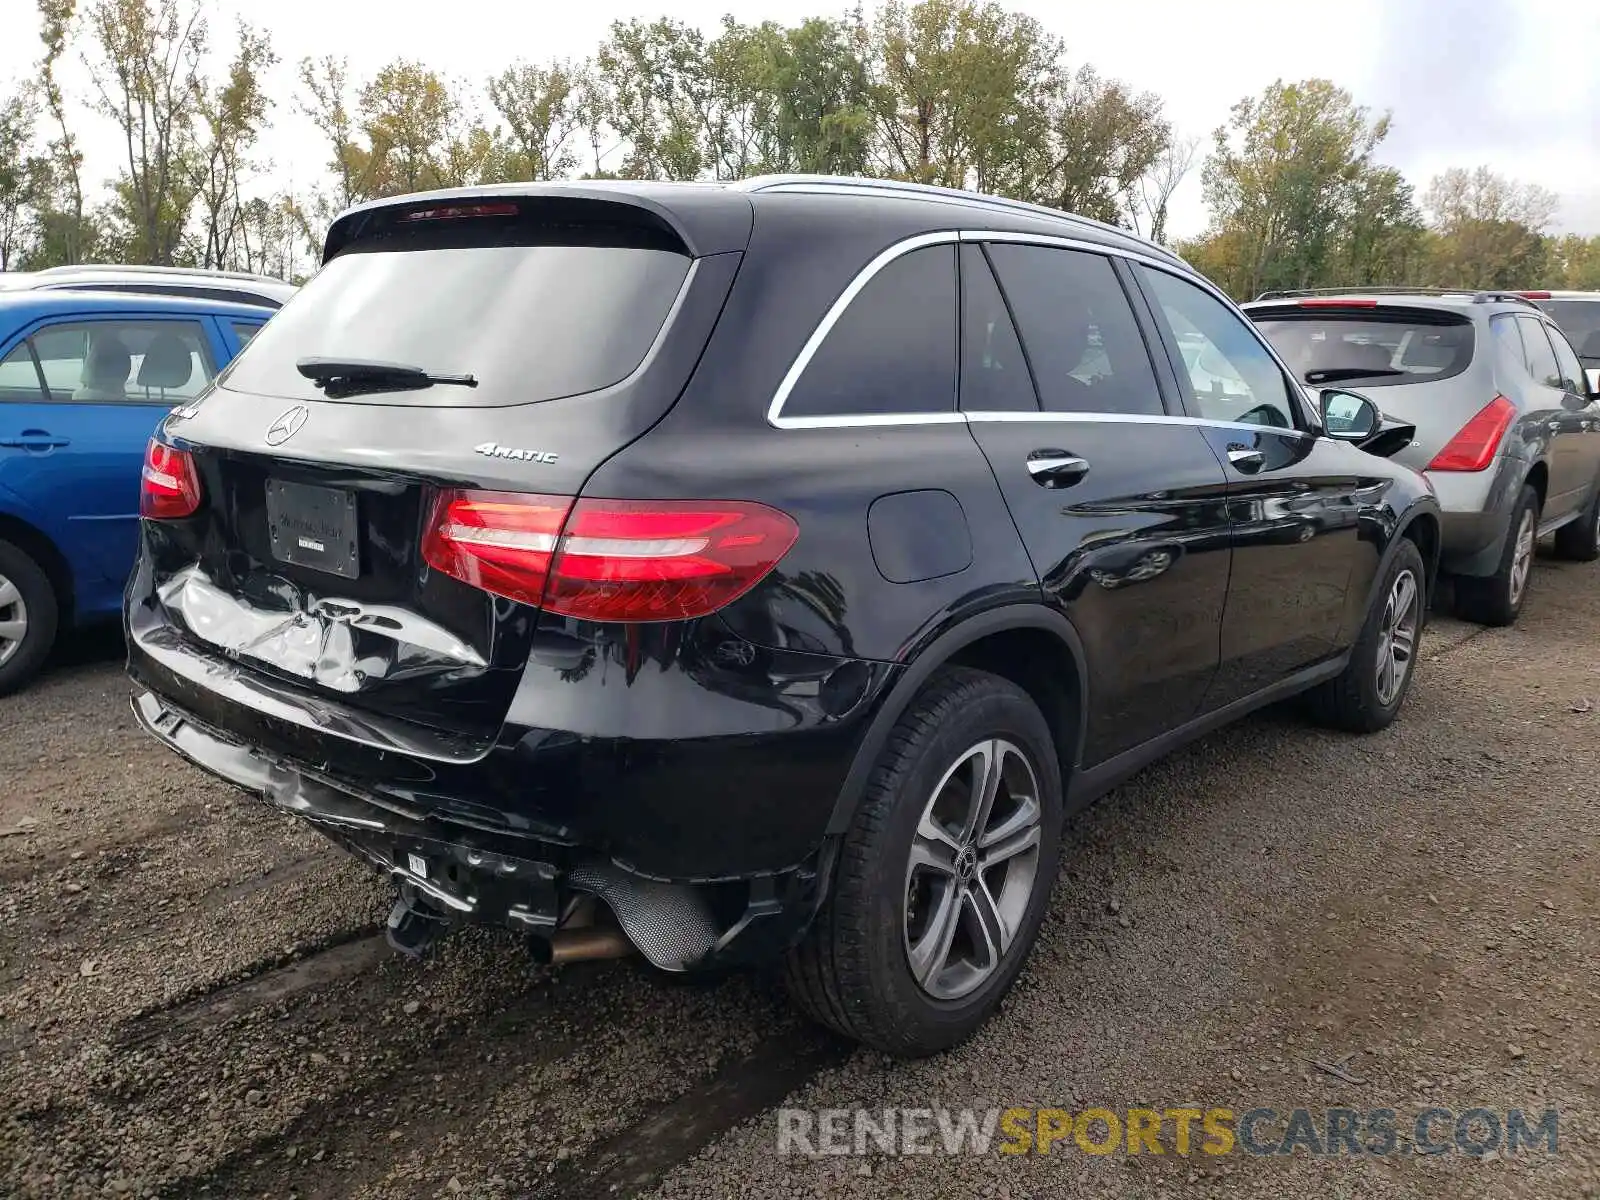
(195, 999)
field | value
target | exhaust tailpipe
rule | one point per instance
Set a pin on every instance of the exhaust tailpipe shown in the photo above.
(577, 945)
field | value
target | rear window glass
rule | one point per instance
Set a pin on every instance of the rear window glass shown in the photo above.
(1326, 349)
(1580, 321)
(528, 322)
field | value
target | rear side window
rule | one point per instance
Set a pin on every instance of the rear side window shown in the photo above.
(994, 371)
(244, 331)
(1079, 330)
(112, 362)
(1580, 321)
(1541, 359)
(1331, 347)
(893, 350)
(528, 322)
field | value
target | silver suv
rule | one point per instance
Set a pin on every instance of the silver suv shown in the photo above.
(1578, 314)
(236, 287)
(1508, 425)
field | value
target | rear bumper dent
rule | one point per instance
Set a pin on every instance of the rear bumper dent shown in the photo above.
(478, 876)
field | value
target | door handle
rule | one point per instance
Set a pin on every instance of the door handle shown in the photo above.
(1245, 459)
(34, 439)
(1056, 468)
(1553, 426)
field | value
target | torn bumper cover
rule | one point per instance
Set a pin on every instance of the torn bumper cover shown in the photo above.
(452, 873)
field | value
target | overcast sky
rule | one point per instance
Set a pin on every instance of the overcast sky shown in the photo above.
(1513, 84)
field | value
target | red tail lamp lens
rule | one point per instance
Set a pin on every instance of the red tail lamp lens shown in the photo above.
(608, 560)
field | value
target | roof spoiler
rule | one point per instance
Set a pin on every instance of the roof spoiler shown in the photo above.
(707, 219)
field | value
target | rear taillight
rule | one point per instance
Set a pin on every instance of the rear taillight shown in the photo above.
(607, 560)
(169, 485)
(1473, 448)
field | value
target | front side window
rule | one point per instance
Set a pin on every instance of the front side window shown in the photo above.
(19, 378)
(1079, 330)
(1571, 369)
(1232, 375)
(1541, 358)
(893, 350)
(120, 362)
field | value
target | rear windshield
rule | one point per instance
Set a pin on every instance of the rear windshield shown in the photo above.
(1580, 321)
(1329, 348)
(529, 323)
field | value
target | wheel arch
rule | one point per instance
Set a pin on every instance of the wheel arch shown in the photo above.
(1423, 530)
(1538, 478)
(1032, 646)
(38, 546)
(1426, 538)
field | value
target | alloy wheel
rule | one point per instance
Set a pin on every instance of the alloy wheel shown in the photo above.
(1397, 636)
(13, 619)
(973, 866)
(1522, 557)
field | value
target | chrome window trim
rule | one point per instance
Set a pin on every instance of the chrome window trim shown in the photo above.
(870, 420)
(777, 420)
(1134, 419)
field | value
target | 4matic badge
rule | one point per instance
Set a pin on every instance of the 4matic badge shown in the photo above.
(496, 450)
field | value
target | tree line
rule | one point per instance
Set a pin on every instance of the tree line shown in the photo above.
(952, 92)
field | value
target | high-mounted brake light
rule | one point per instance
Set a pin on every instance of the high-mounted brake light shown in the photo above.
(457, 212)
(1534, 295)
(607, 560)
(1321, 303)
(169, 485)
(1473, 447)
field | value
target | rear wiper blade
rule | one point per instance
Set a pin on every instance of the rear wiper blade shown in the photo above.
(1336, 374)
(345, 374)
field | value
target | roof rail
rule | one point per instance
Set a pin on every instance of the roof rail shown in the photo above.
(1478, 295)
(928, 191)
(139, 269)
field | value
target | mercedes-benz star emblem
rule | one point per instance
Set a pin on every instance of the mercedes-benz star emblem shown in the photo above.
(286, 426)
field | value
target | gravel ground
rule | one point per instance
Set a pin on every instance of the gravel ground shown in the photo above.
(195, 999)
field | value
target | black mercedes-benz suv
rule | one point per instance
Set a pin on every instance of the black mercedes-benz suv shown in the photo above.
(754, 572)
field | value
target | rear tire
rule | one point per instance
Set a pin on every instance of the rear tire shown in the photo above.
(925, 876)
(1498, 598)
(1368, 694)
(1579, 541)
(28, 617)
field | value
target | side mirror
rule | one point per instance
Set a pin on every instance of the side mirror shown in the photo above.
(1573, 402)
(1348, 416)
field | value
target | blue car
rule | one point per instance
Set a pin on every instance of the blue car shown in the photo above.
(85, 378)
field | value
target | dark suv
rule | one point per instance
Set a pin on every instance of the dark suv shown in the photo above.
(749, 572)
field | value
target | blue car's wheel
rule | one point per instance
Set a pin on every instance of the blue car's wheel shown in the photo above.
(28, 617)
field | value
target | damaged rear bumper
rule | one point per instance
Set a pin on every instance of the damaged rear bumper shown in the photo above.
(457, 873)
